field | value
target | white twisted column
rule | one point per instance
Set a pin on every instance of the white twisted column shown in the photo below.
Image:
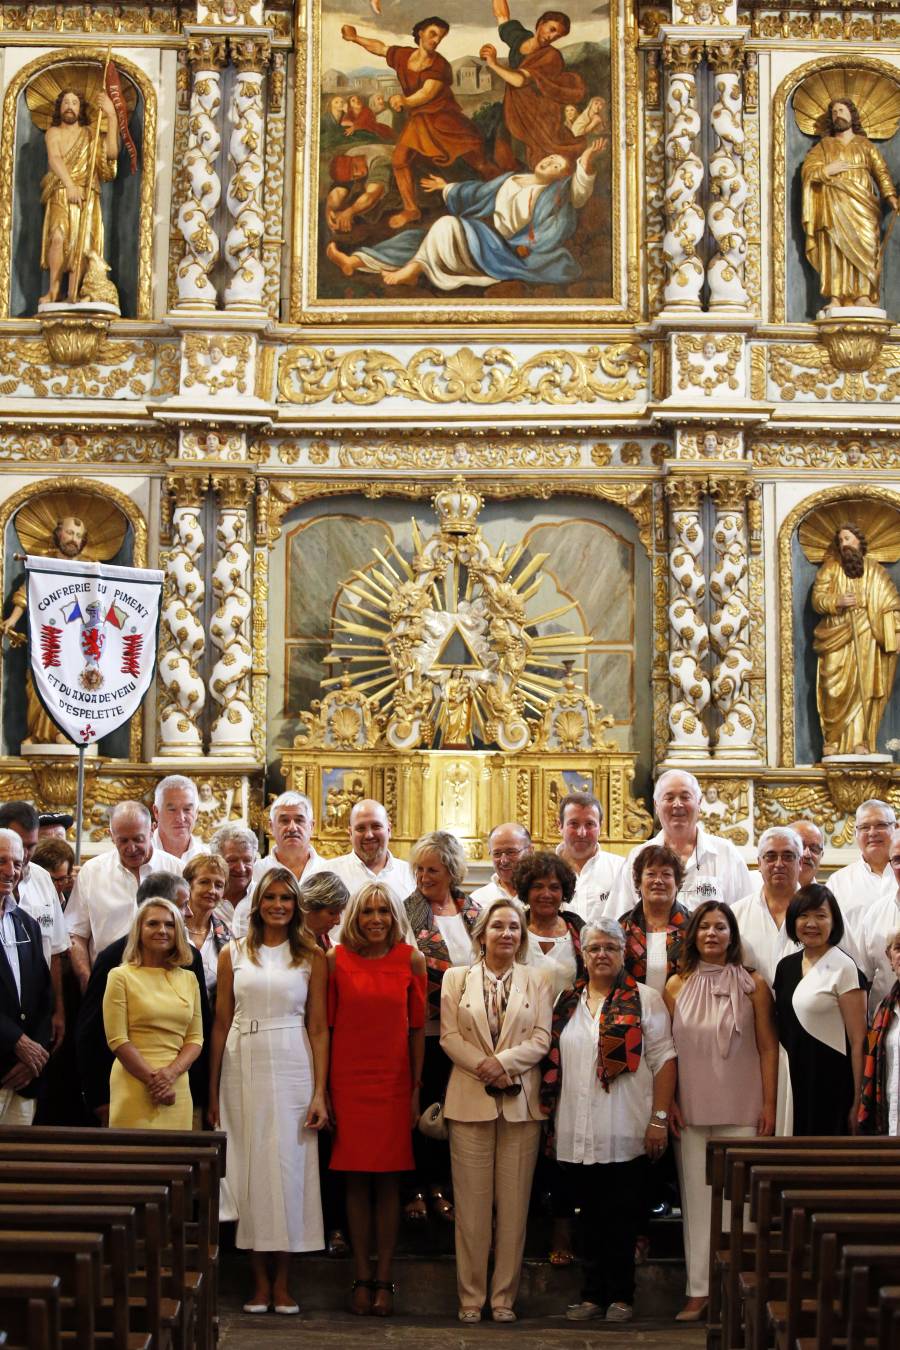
(244, 194)
(196, 216)
(730, 623)
(183, 636)
(685, 222)
(728, 185)
(688, 634)
(229, 680)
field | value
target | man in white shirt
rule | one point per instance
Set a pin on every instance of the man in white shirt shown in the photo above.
(370, 859)
(103, 897)
(713, 868)
(36, 893)
(175, 805)
(238, 847)
(291, 821)
(872, 928)
(861, 883)
(580, 819)
(507, 845)
(760, 918)
(813, 841)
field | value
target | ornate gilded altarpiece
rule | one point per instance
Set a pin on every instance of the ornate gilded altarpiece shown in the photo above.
(639, 383)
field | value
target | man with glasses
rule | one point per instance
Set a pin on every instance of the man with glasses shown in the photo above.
(813, 841)
(760, 917)
(873, 926)
(860, 884)
(26, 994)
(507, 845)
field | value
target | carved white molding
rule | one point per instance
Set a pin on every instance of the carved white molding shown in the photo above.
(729, 631)
(728, 197)
(688, 633)
(196, 216)
(229, 631)
(184, 638)
(685, 222)
(244, 194)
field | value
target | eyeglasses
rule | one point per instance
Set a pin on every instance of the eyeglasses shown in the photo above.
(16, 942)
(771, 858)
(606, 950)
(493, 1090)
(506, 853)
(874, 829)
(815, 849)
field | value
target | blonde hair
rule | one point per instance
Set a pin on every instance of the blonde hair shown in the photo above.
(891, 939)
(180, 954)
(300, 939)
(351, 935)
(484, 918)
(448, 849)
(205, 862)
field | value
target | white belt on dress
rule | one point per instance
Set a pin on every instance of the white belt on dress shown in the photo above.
(249, 1026)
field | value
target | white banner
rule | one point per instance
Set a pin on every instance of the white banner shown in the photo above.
(92, 638)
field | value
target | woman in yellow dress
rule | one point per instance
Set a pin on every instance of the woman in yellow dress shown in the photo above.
(151, 1012)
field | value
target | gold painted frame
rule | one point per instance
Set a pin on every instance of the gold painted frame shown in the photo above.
(778, 228)
(786, 530)
(627, 197)
(62, 56)
(10, 506)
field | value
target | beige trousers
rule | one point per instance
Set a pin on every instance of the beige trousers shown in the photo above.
(493, 1163)
(16, 1110)
(696, 1198)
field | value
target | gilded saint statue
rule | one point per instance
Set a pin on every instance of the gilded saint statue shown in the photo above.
(70, 189)
(57, 525)
(856, 643)
(844, 181)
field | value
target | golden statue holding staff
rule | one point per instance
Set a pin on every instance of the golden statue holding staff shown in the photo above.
(857, 639)
(844, 180)
(73, 224)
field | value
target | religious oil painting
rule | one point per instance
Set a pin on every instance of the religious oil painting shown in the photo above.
(463, 161)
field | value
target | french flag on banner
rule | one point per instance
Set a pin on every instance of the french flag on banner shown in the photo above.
(114, 90)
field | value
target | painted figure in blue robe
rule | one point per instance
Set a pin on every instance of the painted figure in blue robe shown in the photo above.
(513, 228)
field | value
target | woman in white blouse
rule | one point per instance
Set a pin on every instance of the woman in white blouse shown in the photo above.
(608, 1082)
(495, 1027)
(655, 928)
(545, 886)
(879, 1106)
(207, 876)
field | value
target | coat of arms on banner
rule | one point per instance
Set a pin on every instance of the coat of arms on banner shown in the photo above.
(93, 640)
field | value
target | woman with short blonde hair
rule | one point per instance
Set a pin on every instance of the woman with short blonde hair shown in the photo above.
(352, 936)
(151, 1014)
(207, 876)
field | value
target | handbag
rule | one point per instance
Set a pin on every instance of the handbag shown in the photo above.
(432, 1124)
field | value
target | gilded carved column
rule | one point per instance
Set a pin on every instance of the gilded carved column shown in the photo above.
(260, 672)
(685, 222)
(183, 637)
(688, 633)
(196, 218)
(727, 183)
(729, 626)
(229, 680)
(244, 193)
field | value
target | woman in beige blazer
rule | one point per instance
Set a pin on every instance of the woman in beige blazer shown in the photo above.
(495, 1028)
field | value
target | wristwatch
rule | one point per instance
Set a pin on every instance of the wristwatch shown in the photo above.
(662, 1116)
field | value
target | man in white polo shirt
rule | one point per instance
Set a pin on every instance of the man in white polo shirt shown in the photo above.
(507, 845)
(370, 859)
(36, 893)
(713, 868)
(175, 805)
(103, 897)
(580, 819)
(861, 883)
(291, 821)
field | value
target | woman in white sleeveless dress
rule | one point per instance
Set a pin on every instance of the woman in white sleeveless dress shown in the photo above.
(268, 1071)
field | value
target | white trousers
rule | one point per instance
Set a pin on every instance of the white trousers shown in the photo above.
(696, 1198)
(16, 1110)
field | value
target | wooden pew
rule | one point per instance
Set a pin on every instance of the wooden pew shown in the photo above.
(161, 1315)
(199, 1278)
(173, 1284)
(829, 1235)
(889, 1317)
(798, 1209)
(862, 1270)
(29, 1311)
(77, 1259)
(716, 1151)
(117, 1227)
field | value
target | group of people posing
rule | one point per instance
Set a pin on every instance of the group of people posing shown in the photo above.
(379, 1044)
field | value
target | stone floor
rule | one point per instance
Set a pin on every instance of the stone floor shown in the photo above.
(428, 1283)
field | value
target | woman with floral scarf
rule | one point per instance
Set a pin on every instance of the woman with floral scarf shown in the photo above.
(879, 1105)
(654, 929)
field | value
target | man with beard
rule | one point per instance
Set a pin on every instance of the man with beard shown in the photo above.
(856, 644)
(68, 540)
(844, 178)
(66, 192)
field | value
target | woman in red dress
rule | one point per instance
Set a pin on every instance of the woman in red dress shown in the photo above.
(376, 1008)
(436, 127)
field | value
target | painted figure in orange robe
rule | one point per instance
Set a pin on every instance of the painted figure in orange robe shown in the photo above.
(437, 129)
(538, 89)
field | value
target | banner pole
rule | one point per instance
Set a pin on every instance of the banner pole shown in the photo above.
(79, 804)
